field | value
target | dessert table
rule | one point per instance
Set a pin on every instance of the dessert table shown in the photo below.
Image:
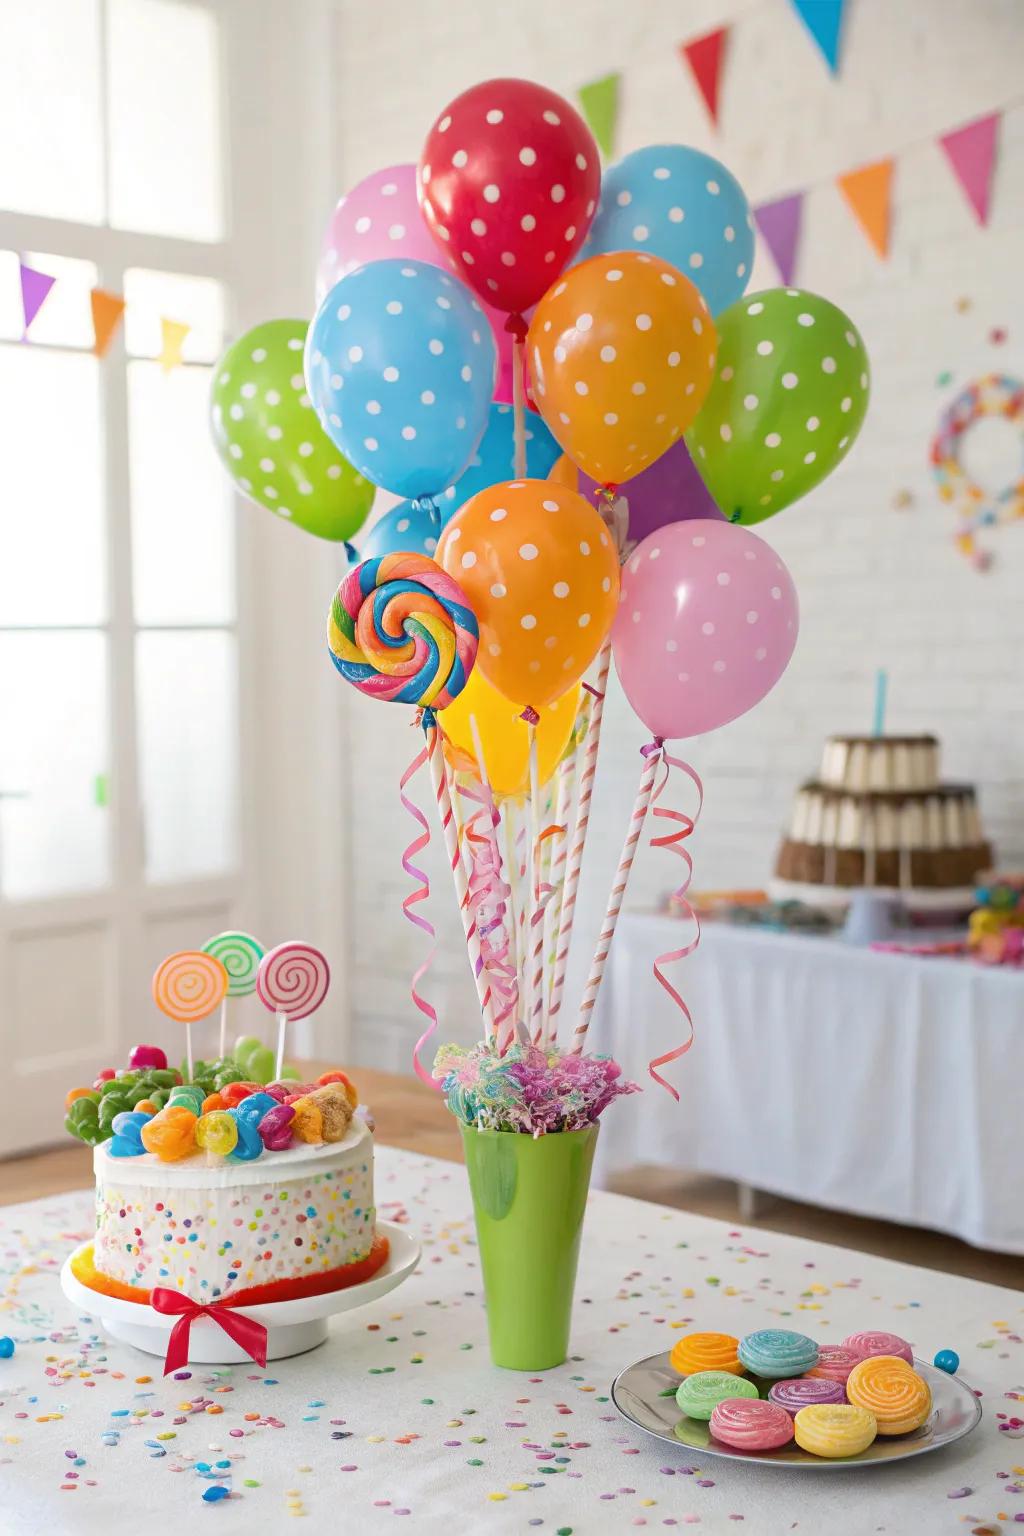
(883, 1084)
(401, 1415)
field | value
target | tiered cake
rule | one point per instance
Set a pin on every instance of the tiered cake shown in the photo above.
(878, 817)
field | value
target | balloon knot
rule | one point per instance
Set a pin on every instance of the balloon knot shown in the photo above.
(609, 491)
(516, 326)
(351, 553)
(652, 747)
(530, 715)
(427, 718)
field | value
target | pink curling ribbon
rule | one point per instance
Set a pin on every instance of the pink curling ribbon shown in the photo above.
(422, 893)
(488, 897)
(246, 1332)
(673, 842)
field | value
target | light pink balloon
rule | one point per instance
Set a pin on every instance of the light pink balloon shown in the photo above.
(707, 623)
(381, 218)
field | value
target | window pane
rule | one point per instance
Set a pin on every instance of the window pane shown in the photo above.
(182, 512)
(50, 121)
(54, 822)
(164, 117)
(65, 318)
(187, 712)
(52, 559)
(195, 301)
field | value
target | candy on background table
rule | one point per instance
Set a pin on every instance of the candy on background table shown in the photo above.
(401, 1416)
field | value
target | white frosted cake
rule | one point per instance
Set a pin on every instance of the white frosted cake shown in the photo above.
(878, 817)
(210, 1226)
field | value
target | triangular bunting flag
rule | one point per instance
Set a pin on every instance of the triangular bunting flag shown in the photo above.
(867, 192)
(824, 21)
(704, 55)
(35, 289)
(172, 339)
(600, 102)
(107, 309)
(971, 152)
(779, 226)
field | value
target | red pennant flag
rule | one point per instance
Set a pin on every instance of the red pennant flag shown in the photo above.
(704, 55)
(971, 151)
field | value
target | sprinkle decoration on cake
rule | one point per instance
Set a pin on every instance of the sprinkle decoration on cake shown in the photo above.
(878, 817)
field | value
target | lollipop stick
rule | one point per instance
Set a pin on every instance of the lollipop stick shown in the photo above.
(223, 1028)
(535, 1018)
(282, 1025)
(188, 1051)
(567, 775)
(507, 1006)
(518, 409)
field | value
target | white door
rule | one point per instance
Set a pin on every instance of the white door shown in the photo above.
(121, 728)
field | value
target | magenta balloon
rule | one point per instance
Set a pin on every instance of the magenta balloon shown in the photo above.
(706, 626)
(668, 491)
(379, 219)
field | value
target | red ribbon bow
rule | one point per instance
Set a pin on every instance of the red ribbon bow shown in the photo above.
(249, 1335)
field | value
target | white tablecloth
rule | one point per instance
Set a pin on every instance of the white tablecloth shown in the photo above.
(401, 1415)
(883, 1084)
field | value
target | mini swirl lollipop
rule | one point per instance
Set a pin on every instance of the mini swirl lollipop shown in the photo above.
(292, 982)
(188, 986)
(240, 954)
(401, 629)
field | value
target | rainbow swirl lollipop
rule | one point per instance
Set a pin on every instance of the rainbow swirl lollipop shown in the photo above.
(401, 629)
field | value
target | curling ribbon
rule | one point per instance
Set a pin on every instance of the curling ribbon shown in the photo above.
(673, 842)
(422, 893)
(488, 897)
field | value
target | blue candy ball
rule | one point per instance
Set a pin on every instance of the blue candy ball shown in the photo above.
(215, 1493)
(947, 1360)
(6, 1347)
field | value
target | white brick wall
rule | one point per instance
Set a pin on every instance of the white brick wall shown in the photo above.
(877, 586)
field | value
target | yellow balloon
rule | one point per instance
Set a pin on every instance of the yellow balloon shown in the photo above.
(503, 734)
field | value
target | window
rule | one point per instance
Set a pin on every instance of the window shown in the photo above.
(118, 653)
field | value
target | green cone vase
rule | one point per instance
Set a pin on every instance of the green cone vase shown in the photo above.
(529, 1197)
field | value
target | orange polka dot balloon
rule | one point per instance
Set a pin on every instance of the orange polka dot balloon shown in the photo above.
(622, 353)
(541, 572)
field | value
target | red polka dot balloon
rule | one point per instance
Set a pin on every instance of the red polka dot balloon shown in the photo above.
(509, 180)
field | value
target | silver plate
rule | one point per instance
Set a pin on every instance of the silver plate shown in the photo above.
(644, 1394)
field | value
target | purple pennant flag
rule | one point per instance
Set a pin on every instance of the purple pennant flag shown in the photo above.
(35, 288)
(779, 225)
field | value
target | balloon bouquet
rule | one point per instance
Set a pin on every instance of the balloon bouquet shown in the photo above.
(560, 376)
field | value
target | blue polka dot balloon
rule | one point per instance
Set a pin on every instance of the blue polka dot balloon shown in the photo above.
(681, 205)
(411, 527)
(494, 459)
(400, 366)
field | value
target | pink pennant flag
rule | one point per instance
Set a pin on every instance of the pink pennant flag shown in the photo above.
(971, 151)
(779, 227)
(35, 289)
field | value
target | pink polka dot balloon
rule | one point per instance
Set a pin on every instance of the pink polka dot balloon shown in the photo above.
(381, 218)
(706, 626)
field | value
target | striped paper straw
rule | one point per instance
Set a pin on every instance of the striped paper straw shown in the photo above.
(446, 814)
(579, 835)
(652, 757)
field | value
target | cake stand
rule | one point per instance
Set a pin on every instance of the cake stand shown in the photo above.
(293, 1327)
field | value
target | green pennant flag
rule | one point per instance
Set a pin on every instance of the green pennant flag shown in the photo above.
(600, 102)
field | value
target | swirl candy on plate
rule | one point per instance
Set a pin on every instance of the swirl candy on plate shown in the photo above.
(217, 1132)
(867, 1344)
(705, 1352)
(834, 1429)
(751, 1426)
(886, 1386)
(794, 1395)
(699, 1394)
(401, 629)
(835, 1362)
(777, 1352)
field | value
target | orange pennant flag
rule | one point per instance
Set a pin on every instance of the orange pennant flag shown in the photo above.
(867, 191)
(172, 339)
(107, 309)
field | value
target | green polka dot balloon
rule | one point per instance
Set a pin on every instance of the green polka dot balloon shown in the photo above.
(270, 441)
(787, 402)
